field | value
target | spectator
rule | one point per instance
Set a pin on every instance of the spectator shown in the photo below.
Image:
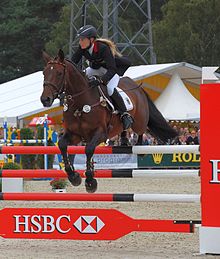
(198, 134)
(133, 138)
(192, 138)
(145, 139)
(180, 140)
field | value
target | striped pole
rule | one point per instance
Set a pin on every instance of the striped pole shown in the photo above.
(105, 197)
(101, 150)
(104, 173)
(166, 149)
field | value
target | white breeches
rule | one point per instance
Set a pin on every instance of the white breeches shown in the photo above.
(100, 72)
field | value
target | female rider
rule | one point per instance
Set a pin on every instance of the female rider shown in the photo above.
(106, 63)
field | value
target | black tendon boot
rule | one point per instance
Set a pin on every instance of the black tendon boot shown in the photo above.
(118, 102)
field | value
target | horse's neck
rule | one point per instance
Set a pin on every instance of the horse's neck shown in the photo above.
(77, 83)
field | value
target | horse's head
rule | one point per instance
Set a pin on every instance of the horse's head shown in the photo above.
(54, 78)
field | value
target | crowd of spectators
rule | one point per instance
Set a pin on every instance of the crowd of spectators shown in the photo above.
(186, 136)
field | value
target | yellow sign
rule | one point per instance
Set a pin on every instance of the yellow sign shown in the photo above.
(157, 158)
(185, 157)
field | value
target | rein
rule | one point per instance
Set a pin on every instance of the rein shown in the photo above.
(80, 93)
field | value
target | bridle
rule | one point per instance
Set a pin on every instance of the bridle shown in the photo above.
(60, 88)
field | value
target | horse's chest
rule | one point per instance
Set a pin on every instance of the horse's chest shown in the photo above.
(80, 127)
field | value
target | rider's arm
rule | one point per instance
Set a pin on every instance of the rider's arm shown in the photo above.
(77, 56)
(109, 59)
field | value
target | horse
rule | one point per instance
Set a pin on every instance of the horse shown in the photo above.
(87, 119)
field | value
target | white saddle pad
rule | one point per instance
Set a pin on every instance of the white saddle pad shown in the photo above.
(126, 98)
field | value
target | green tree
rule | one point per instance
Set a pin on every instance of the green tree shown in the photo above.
(25, 27)
(156, 12)
(60, 33)
(189, 31)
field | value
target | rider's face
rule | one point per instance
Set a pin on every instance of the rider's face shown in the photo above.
(84, 43)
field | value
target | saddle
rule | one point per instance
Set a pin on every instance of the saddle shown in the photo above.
(106, 100)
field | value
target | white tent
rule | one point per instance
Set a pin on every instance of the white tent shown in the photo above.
(21, 97)
(177, 103)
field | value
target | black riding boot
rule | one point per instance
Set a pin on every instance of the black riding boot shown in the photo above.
(118, 102)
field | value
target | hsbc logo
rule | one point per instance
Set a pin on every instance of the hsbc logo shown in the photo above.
(89, 224)
(62, 224)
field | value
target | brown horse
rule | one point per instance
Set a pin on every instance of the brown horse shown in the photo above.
(85, 118)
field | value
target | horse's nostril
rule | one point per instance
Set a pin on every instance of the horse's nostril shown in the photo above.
(46, 101)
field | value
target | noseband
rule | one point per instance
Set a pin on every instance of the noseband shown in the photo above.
(58, 90)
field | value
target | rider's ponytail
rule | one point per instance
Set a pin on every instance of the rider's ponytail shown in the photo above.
(112, 46)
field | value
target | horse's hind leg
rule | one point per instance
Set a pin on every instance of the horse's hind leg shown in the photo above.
(140, 140)
(124, 138)
(73, 176)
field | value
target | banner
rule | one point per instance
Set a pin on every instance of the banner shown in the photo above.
(108, 161)
(158, 160)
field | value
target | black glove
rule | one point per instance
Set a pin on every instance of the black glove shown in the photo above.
(95, 81)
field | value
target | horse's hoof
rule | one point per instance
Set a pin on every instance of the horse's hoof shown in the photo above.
(91, 185)
(75, 179)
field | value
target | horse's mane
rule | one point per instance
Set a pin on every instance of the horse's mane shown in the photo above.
(75, 66)
(78, 69)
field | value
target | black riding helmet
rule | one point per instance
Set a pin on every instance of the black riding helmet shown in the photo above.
(87, 31)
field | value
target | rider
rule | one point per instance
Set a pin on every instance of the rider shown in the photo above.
(103, 60)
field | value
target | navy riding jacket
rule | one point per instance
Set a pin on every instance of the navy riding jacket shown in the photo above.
(103, 57)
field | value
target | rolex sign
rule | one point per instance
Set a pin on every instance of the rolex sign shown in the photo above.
(169, 160)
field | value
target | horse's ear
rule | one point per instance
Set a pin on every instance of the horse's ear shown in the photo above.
(46, 57)
(61, 55)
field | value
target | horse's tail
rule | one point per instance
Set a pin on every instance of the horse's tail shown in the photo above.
(157, 123)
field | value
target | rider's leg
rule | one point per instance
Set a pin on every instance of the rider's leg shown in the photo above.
(118, 102)
(126, 118)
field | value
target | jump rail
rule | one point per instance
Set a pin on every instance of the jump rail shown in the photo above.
(104, 173)
(121, 197)
(101, 150)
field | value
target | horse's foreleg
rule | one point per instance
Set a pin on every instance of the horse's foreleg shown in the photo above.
(73, 176)
(90, 182)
